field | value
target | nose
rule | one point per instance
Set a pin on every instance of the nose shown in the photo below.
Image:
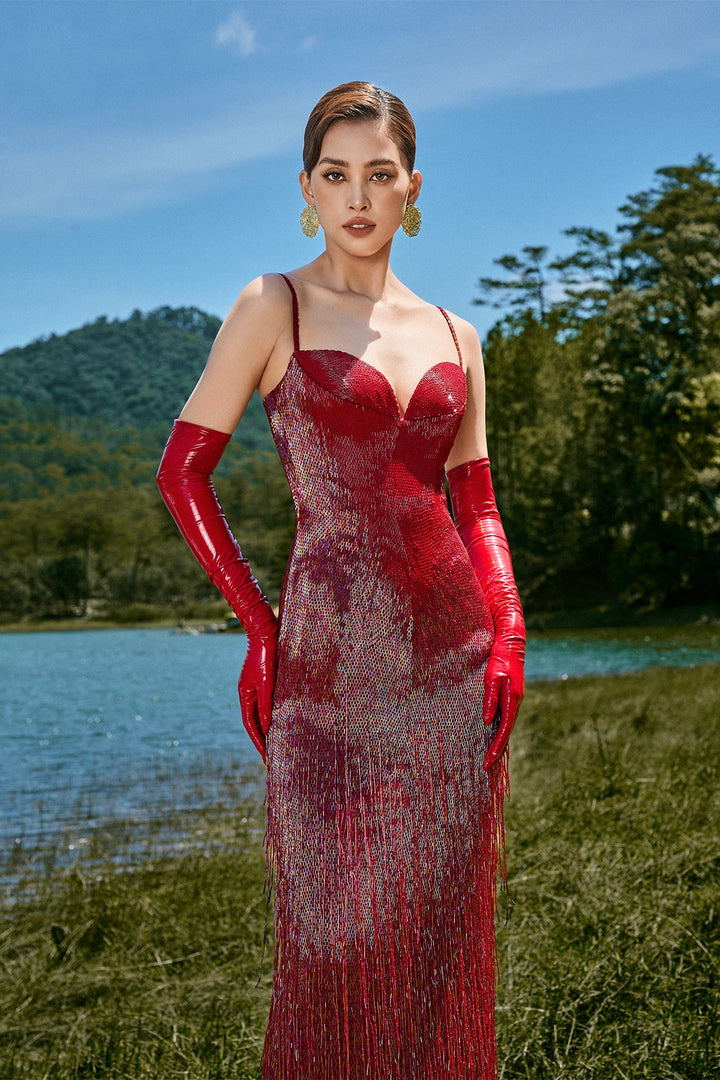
(359, 198)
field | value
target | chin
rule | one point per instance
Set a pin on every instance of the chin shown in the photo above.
(364, 245)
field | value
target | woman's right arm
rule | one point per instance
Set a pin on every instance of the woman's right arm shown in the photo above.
(250, 336)
(253, 339)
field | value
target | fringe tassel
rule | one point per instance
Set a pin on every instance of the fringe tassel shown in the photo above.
(385, 968)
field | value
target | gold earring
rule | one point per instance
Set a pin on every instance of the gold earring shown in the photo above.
(309, 221)
(412, 220)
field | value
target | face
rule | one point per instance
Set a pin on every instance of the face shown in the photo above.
(360, 186)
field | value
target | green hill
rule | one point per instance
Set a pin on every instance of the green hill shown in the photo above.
(112, 375)
(83, 420)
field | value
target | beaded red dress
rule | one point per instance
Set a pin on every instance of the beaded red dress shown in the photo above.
(383, 830)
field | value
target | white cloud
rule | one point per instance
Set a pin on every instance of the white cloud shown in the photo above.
(110, 161)
(526, 48)
(80, 175)
(237, 33)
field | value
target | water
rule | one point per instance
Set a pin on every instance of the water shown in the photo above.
(105, 721)
(122, 723)
(553, 657)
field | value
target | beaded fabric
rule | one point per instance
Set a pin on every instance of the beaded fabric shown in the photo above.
(383, 830)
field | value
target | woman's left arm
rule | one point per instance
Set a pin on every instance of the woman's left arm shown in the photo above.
(471, 439)
(480, 528)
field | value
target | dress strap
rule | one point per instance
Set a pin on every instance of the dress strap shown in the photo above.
(452, 331)
(296, 316)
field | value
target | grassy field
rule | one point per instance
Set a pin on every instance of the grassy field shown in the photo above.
(609, 958)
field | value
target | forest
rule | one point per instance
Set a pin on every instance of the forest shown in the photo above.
(603, 375)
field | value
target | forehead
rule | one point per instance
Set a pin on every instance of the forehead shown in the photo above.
(359, 141)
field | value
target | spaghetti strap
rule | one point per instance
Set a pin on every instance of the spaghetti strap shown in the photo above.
(296, 317)
(452, 331)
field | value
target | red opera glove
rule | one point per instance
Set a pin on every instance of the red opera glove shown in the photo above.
(191, 454)
(478, 522)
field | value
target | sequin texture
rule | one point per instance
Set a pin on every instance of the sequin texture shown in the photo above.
(383, 830)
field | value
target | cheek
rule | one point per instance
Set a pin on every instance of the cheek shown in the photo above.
(401, 191)
(329, 199)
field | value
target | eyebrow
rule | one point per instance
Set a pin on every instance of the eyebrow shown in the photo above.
(345, 164)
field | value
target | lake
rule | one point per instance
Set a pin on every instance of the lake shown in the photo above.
(107, 724)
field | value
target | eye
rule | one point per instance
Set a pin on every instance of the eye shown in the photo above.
(381, 176)
(333, 176)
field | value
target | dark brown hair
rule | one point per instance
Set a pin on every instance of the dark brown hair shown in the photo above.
(359, 101)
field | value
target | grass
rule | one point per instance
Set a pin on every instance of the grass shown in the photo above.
(609, 964)
(609, 961)
(613, 615)
(146, 972)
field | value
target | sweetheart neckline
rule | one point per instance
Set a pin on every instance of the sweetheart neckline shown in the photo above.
(402, 413)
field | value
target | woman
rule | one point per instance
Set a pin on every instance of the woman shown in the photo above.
(383, 696)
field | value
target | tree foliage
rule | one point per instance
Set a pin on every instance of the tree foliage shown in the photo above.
(603, 419)
(116, 545)
(83, 419)
(604, 402)
(116, 374)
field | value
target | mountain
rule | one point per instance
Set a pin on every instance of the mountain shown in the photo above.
(83, 420)
(112, 375)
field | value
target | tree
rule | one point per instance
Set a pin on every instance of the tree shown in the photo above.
(634, 324)
(526, 286)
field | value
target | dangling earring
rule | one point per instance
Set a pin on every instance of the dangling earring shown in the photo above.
(412, 220)
(309, 221)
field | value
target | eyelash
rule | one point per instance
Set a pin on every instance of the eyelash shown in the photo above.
(334, 173)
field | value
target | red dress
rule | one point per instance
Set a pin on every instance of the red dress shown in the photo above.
(383, 830)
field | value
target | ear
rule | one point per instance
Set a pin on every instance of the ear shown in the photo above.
(305, 188)
(415, 185)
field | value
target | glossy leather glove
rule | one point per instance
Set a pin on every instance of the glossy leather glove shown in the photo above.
(478, 522)
(191, 454)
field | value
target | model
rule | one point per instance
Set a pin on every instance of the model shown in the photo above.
(383, 695)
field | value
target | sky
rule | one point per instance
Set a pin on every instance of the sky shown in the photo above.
(150, 149)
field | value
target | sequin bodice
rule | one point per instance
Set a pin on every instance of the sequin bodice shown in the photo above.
(367, 480)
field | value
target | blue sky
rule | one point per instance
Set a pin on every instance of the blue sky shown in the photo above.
(150, 150)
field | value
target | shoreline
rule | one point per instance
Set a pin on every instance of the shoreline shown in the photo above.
(39, 626)
(701, 617)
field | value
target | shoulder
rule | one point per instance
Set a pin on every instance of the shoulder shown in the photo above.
(259, 318)
(267, 294)
(468, 339)
(262, 310)
(466, 334)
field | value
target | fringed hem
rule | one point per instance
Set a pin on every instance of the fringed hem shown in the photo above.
(391, 978)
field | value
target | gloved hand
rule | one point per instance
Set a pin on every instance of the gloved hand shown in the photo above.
(480, 528)
(191, 454)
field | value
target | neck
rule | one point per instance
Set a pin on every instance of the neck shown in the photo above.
(368, 276)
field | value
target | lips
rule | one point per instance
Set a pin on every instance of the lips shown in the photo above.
(359, 226)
